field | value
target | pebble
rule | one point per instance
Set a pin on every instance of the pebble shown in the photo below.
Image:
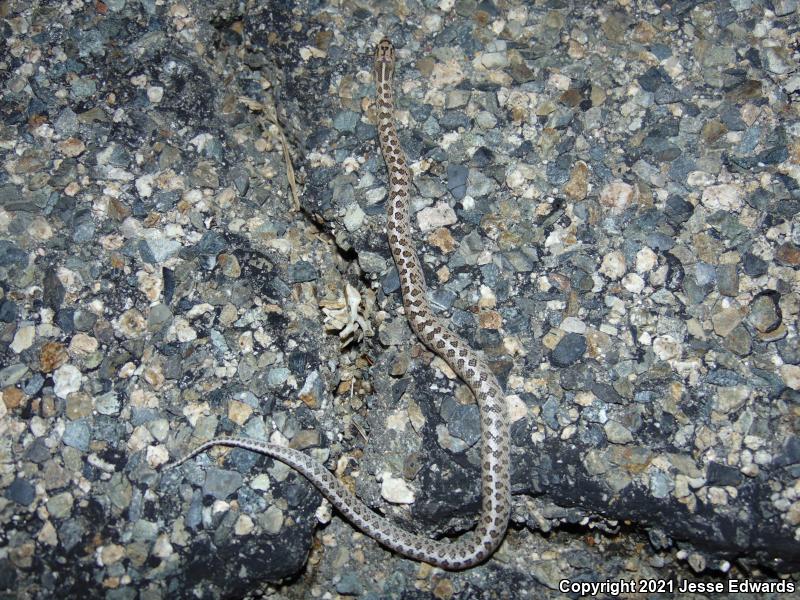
(396, 490)
(569, 350)
(23, 338)
(618, 196)
(67, 380)
(613, 265)
(439, 215)
(20, 491)
(722, 197)
(77, 434)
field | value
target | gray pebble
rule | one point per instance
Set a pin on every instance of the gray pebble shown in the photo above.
(739, 341)
(221, 483)
(463, 421)
(302, 271)
(346, 121)
(144, 531)
(20, 491)
(568, 350)
(765, 313)
(457, 180)
(77, 434)
(349, 585)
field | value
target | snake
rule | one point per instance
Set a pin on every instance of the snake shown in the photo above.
(472, 547)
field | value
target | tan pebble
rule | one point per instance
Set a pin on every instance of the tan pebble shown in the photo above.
(239, 412)
(443, 589)
(791, 375)
(52, 356)
(490, 319)
(13, 397)
(618, 195)
(788, 253)
(442, 239)
(110, 554)
(578, 185)
(23, 338)
(82, 344)
(132, 324)
(244, 525)
(71, 147)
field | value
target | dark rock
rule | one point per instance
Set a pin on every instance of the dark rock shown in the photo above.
(21, 492)
(568, 350)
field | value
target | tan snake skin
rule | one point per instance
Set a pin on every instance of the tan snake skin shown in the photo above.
(473, 547)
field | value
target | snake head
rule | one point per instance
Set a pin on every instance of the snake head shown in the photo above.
(384, 58)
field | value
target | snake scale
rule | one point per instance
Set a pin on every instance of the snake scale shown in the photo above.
(473, 547)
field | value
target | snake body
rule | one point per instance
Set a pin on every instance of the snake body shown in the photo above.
(471, 548)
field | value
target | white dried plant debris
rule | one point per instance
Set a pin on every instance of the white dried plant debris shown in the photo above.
(342, 315)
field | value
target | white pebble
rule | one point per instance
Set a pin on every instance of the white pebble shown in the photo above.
(613, 265)
(395, 490)
(67, 379)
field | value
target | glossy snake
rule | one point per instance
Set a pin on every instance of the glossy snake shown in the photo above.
(472, 547)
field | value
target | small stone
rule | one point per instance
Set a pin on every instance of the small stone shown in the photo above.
(783, 8)
(79, 405)
(305, 438)
(569, 350)
(666, 347)
(82, 344)
(727, 319)
(60, 505)
(613, 265)
(272, 520)
(71, 147)
(731, 399)
(302, 271)
(646, 259)
(132, 324)
(791, 376)
(67, 380)
(617, 433)
(244, 525)
(438, 215)
(144, 531)
(221, 483)
(722, 197)
(12, 399)
(23, 338)
(727, 280)
(77, 434)
(349, 585)
(739, 341)
(578, 185)
(155, 93)
(457, 181)
(162, 548)
(442, 239)
(107, 404)
(21, 492)
(239, 412)
(633, 283)
(346, 121)
(353, 217)
(753, 265)
(396, 490)
(11, 374)
(765, 312)
(617, 196)
(788, 253)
